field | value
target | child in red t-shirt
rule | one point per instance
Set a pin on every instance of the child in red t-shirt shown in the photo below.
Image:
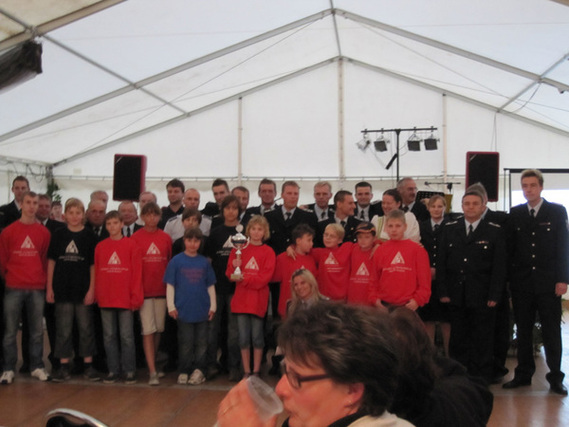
(402, 268)
(361, 261)
(333, 263)
(251, 296)
(156, 248)
(302, 236)
(118, 291)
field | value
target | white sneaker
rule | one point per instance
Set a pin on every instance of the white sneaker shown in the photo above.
(183, 379)
(154, 379)
(40, 374)
(196, 378)
(7, 377)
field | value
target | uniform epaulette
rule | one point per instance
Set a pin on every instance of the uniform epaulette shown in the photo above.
(494, 224)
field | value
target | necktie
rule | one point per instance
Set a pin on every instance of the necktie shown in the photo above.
(343, 224)
(288, 215)
(470, 230)
(323, 216)
(436, 227)
(98, 231)
(532, 213)
(362, 216)
(405, 208)
(128, 231)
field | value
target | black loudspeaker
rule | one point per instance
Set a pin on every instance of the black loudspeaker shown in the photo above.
(129, 176)
(483, 167)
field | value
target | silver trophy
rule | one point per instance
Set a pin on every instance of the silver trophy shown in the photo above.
(239, 242)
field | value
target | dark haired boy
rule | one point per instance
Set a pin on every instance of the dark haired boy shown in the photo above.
(192, 302)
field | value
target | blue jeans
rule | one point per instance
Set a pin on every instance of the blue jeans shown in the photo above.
(192, 346)
(250, 331)
(14, 300)
(119, 321)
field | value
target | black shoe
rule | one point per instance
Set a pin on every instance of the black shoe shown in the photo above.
(558, 388)
(61, 375)
(111, 378)
(91, 374)
(515, 383)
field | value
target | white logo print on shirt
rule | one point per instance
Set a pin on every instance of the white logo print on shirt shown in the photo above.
(153, 250)
(398, 259)
(71, 248)
(28, 244)
(331, 259)
(114, 259)
(362, 271)
(252, 264)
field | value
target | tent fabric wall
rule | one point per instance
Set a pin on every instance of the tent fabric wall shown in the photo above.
(249, 89)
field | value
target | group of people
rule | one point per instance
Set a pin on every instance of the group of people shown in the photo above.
(179, 270)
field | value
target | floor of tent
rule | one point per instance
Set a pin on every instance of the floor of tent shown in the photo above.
(27, 401)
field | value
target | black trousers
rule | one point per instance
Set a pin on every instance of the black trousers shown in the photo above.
(472, 339)
(526, 305)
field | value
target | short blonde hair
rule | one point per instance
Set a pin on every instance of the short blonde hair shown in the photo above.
(338, 229)
(262, 221)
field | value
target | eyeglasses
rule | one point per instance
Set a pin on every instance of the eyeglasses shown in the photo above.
(296, 380)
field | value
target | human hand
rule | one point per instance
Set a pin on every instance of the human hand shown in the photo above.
(173, 314)
(560, 289)
(238, 409)
(412, 305)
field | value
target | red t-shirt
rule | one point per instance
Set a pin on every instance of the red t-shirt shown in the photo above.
(23, 255)
(403, 273)
(284, 268)
(252, 293)
(361, 276)
(333, 270)
(118, 271)
(156, 249)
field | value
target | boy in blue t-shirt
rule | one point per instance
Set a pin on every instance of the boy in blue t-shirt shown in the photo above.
(190, 294)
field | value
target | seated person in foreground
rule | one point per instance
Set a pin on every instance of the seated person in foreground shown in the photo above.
(340, 367)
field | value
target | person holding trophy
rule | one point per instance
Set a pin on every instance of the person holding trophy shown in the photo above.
(251, 265)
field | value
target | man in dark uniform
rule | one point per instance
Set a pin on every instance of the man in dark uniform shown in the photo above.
(344, 215)
(10, 212)
(365, 209)
(539, 274)
(502, 330)
(471, 273)
(267, 193)
(408, 190)
(282, 221)
(95, 215)
(322, 195)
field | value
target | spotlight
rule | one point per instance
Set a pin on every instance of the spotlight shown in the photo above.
(431, 141)
(414, 142)
(380, 143)
(363, 144)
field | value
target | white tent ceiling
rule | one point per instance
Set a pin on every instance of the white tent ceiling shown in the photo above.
(281, 88)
